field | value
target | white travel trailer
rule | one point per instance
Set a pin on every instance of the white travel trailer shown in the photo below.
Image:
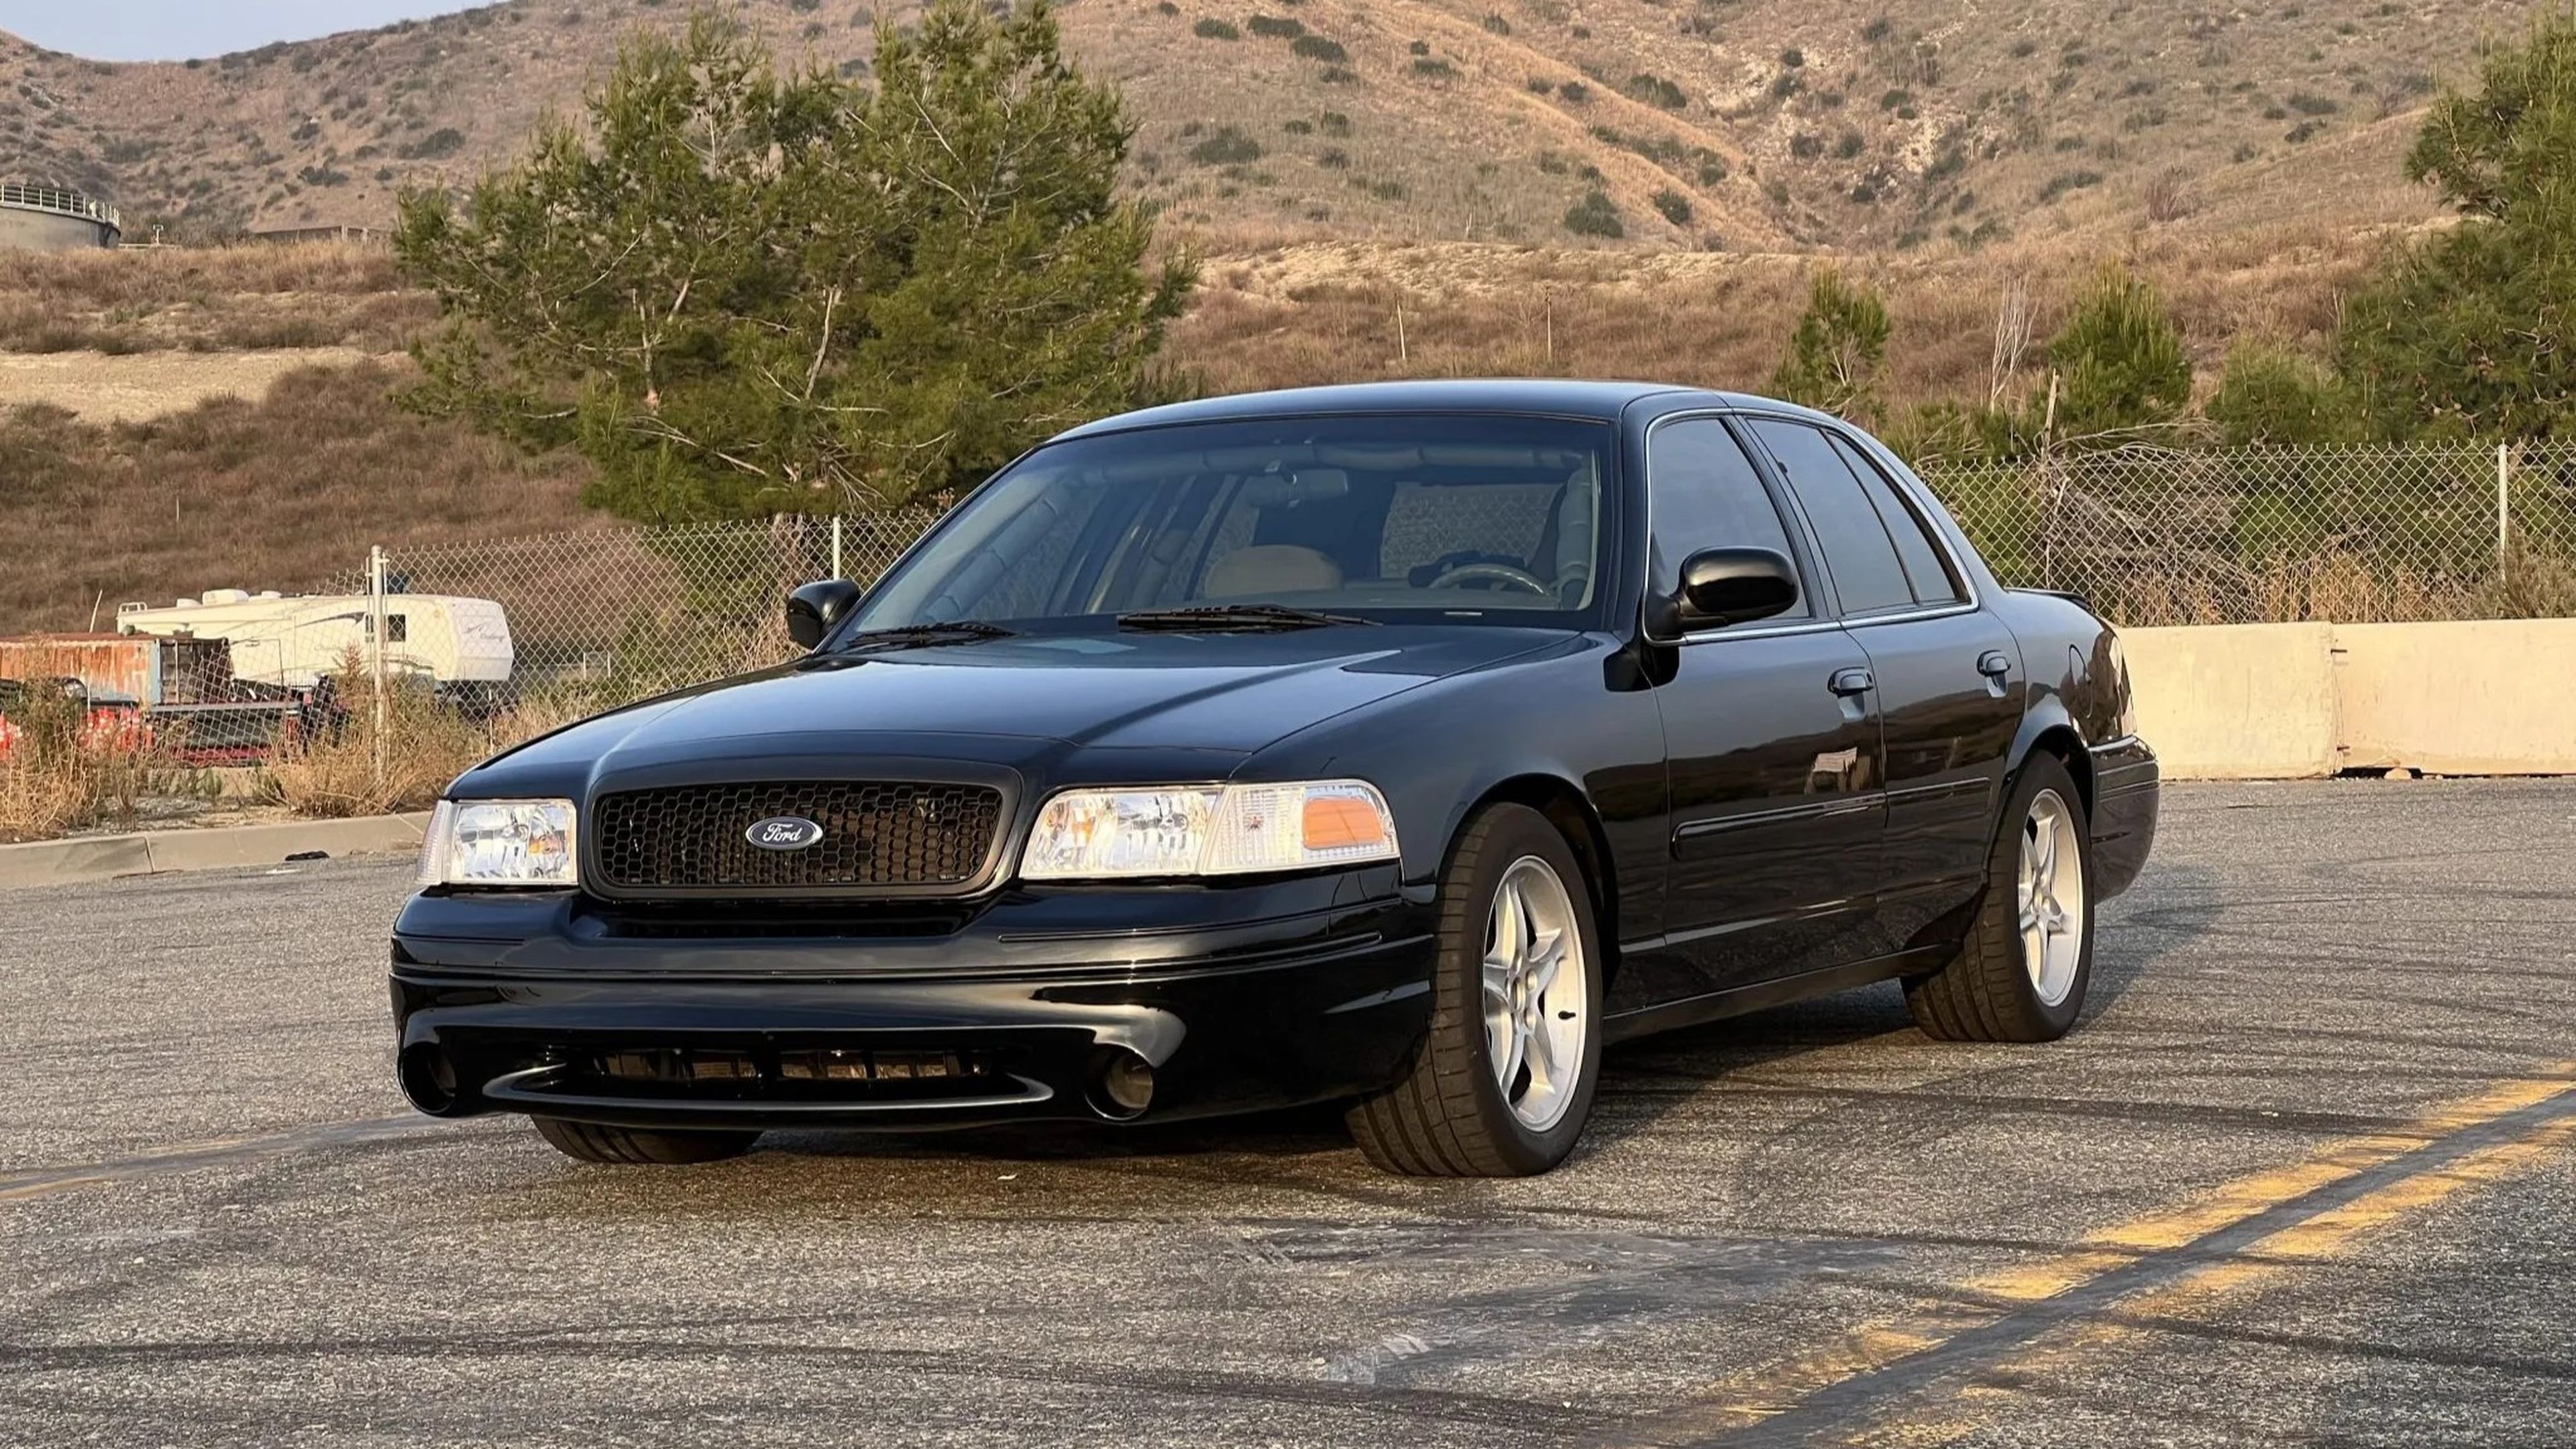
(293, 641)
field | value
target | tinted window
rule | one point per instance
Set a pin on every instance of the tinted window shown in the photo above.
(1857, 551)
(1914, 546)
(1460, 519)
(1706, 495)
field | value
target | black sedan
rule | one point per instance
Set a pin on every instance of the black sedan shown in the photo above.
(1399, 746)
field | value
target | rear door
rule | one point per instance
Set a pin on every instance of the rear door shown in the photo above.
(1773, 776)
(1949, 683)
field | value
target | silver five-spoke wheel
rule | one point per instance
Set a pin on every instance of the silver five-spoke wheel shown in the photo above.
(2052, 897)
(1536, 993)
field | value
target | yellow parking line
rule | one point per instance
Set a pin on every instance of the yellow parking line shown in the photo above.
(2308, 1240)
(1746, 1400)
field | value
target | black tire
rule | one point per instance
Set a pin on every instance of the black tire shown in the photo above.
(591, 1142)
(1986, 992)
(1448, 1117)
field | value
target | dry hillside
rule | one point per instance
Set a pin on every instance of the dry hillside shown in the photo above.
(1709, 124)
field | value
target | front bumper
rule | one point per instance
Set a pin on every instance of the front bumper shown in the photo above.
(2127, 792)
(1232, 998)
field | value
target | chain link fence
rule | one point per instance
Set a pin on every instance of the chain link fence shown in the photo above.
(2150, 536)
(2355, 535)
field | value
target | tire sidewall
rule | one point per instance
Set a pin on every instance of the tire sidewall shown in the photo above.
(1512, 833)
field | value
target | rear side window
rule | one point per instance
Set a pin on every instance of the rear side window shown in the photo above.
(1914, 546)
(1706, 494)
(1857, 549)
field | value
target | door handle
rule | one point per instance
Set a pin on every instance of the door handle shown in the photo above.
(1851, 681)
(1994, 664)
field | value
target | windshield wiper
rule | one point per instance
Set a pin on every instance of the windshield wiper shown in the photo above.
(1233, 616)
(922, 636)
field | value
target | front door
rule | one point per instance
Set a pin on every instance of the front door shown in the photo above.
(1773, 758)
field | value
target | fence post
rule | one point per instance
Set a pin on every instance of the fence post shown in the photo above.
(376, 643)
(836, 548)
(2504, 506)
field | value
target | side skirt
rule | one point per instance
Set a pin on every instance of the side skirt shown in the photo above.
(1762, 995)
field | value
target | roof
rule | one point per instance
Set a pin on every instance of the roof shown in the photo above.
(1559, 397)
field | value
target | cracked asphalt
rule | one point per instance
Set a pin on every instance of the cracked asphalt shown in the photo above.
(2303, 1176)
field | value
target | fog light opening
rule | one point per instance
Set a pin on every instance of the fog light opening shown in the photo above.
(1122, 1084)
(428, 1078)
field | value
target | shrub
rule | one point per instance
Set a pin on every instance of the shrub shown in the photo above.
(1211, 28)
(1335, 75)
(1675, 206)
(1837, 350)
(1877, 30)
(445, 141)
(1418, 47)
(1594, 215)
(1806, 145)
(1333, 123)
(1297, 126)
(2121, 359)
(1495, 23)
(1654, 90)
(1225, 146)
(2307, 104)
(1334, 158)
(1434, 67)
(1316, 47)
(1575, 92)
(61, 771)
(1276, 27)
(1793, 57)
(2268, 395)
(1848, 145)
(2068, 181)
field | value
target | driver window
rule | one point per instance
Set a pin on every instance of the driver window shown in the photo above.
(1705, 494)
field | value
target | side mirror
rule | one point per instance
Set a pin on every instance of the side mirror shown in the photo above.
(1736, 585)
(814, 608)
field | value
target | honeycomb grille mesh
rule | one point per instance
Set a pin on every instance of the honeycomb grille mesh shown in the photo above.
(876, 835)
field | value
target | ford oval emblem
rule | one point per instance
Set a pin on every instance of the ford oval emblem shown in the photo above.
(784, 832)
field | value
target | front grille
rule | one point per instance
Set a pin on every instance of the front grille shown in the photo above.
(886, 835)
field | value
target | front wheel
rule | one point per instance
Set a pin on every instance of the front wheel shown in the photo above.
(1504, 1078)
(591, 1142)
(2022, 972)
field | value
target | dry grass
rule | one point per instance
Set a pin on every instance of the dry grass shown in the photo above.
(214, 299)
(350, 766)
(1901, 122)
(1305, 314)
(58, 773)
(286, 493)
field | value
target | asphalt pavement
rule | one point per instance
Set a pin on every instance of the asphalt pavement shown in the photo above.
(2303, 1175)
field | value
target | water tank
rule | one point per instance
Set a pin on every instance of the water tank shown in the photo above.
(41, 218)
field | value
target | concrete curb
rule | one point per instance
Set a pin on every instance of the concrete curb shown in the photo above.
(151, 852)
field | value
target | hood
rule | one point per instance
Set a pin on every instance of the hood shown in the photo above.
(1196, 704)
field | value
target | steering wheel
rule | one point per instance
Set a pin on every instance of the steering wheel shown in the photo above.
(1501, 573)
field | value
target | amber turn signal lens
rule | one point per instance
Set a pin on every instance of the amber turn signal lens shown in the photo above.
(1336, 821)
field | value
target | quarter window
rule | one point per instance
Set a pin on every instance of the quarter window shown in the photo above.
(1858, 552)
(1707, 495)
(1914, 546)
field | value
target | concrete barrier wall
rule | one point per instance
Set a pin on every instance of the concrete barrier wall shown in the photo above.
(2236, 701)
(2298, 701)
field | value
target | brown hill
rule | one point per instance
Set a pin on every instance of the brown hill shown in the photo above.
(1735, 124)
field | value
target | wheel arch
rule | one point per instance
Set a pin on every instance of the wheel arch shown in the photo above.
(1563, 804)
(2048, 729)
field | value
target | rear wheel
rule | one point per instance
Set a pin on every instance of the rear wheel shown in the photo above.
(591, 1142)
(2022, 972)
(1504, 1078)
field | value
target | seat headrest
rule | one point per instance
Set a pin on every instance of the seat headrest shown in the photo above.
(1271, 568)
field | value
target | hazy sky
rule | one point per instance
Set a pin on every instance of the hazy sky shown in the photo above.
(181, 29)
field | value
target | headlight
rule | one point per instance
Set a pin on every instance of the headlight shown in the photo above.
(1208, 830)
(499, 843)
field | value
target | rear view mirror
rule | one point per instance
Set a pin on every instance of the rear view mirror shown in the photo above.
(1736, 585)
(814, 608)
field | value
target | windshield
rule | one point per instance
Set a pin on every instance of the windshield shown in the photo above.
(1484, 518)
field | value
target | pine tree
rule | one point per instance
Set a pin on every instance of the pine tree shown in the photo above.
(740, 294)
(1837, 350)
